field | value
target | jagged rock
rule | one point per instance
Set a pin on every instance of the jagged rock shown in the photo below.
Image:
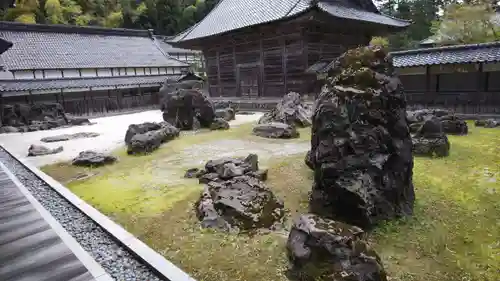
(242, 203)
(184, 108)
(430, 140)
(25, 114)
(422, 115)
(142, 128)
(208, 177)
(78, 121)
(451, 123)
(488, 123)
(9, 129)
(219, 124)
(151, 140)
(276, 131)
(309, 160)
(327, 250)
(39, 150)
(91, 158)
(227, 114)
(290, 110)
(66, 137)
(191, 173)
(361, 145)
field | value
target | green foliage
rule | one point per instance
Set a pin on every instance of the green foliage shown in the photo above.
(54, 11)
(380, 42)
(466, 23)
(167, 17)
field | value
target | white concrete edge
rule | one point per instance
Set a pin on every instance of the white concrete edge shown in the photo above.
(92, 266)
(144, 252)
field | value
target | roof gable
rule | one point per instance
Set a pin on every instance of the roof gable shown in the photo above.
(57, 47)
(229, 15)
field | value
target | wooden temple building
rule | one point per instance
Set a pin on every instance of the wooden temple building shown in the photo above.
(463, 78)
(262, 49)
(86, 69)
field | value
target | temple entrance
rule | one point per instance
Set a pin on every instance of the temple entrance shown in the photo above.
(248, 78)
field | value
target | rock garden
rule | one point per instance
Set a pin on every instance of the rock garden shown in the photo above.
(337, 190)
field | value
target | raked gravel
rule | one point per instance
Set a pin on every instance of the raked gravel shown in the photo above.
(115, 259)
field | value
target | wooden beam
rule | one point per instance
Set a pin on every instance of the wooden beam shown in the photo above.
(218, 73)
(261, 70)
(283, 64)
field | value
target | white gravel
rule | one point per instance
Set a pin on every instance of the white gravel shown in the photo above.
(111, 129)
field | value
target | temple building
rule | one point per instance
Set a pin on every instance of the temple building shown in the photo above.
(262, 49)
(87, 69)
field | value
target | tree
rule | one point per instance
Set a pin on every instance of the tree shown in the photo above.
(379, 41)
(54, 11)
(466, 23)
(169, 13)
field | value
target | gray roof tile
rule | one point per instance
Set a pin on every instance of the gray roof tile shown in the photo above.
(229, 15)
(472, 53)
(55, 47)
(26, 85)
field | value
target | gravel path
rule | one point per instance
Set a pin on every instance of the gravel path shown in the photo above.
(115, 259)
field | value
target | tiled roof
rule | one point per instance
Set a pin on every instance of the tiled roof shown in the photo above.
(472, 53)
(229, 15)
(55, 47)
(26, 85)
(169, 49)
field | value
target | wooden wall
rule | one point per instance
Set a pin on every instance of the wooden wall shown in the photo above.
(464, 88)
(95, 102)
(271, 60)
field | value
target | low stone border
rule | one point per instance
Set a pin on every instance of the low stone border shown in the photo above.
(157, 262)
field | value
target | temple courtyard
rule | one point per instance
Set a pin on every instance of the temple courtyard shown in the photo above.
(453, 234)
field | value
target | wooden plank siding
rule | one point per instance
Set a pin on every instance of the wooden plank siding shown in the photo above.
(471, 91)
(279, 52)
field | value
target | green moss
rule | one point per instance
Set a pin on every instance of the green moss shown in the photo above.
(453, 236)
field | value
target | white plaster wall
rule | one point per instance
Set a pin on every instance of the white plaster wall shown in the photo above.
(88, 72)
(140, 71)
(71, 73)
(130, 71)
(38, 74)
(24, 74)
(52, 74)
(163, 71)
(104, 72)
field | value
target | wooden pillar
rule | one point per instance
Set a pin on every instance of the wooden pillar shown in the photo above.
(283, 65)
(479, 97)
(261, 69)
(428, 89)
(218, 73)
(85, 105)
(236, 73)
(1, 109)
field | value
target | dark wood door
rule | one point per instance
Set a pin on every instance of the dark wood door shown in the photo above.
(249, 82)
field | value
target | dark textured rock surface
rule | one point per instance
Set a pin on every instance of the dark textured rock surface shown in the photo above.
(40, 150)
(327, 250)
(235, 198)
(487, 123)
(309, 160)
(361, 148)
(77, 121)
(66, 137)
(451, 123)
(17, 115)
(227, 114)
(430, 140)
(276, 130)
(219, 124)
(290, 110)
(158, 133)
(9, 129)
(187, 109)
(91, 158)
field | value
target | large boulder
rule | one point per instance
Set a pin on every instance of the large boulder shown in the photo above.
(40, 150)
(9, 129)
(430, 140)
(487, 123)
(242, 203)
(227, 114)
(149, 141)
(327, 250)
(187, 109)
(276, 130)
(361, 147)
(91, 158)
(235, 198)
(219, 124)
(290, 110)
(451, 123)
(135, 129)
(18, 115)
